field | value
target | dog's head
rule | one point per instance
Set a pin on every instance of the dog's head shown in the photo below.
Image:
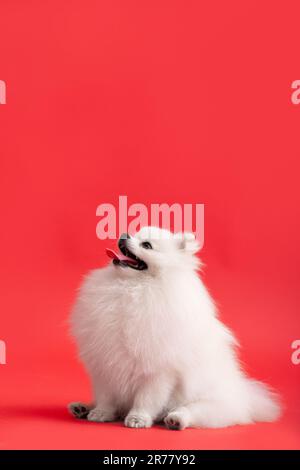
(156, 249)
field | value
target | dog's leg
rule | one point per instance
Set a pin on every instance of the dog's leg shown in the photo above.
(105, 408)
(102, 413)
(80, 410)
(178, 418)
(149, 402)
(210, 414)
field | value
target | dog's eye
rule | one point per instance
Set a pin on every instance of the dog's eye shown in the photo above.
(146, 245)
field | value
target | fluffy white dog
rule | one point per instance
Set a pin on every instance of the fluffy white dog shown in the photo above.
(149, 336)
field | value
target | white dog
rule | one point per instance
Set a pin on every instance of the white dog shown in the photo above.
(149, 336)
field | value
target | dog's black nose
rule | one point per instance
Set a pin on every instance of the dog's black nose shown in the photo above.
(122, 239)
(124, 236)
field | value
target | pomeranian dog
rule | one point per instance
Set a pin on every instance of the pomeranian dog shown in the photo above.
(149, 336)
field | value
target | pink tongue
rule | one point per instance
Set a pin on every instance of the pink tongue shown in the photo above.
(119, 256)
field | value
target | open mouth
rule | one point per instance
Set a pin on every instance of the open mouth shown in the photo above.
(126, 258)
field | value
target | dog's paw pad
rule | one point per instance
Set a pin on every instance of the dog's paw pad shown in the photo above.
(137, 421)
(100, 416)
(174, 421)
(79, 410)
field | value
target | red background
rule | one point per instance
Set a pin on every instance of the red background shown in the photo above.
(163, 101)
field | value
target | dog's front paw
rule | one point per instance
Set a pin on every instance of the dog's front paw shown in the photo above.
(138, 421)
(98, 415)
(79, 410)
(175, 421)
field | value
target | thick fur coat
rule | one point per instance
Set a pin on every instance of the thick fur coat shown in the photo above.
(151, 340)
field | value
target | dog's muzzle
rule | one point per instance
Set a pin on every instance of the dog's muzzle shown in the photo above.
(126, 258)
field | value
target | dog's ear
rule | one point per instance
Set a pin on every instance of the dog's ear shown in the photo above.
(188, 242)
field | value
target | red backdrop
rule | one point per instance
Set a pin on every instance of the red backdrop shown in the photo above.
(163, 101)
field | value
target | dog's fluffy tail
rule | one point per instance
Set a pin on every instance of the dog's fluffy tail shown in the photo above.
(265, 404)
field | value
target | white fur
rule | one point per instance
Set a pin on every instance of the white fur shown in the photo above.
(154, 347)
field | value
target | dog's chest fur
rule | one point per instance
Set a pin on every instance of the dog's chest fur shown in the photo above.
(128, 328)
